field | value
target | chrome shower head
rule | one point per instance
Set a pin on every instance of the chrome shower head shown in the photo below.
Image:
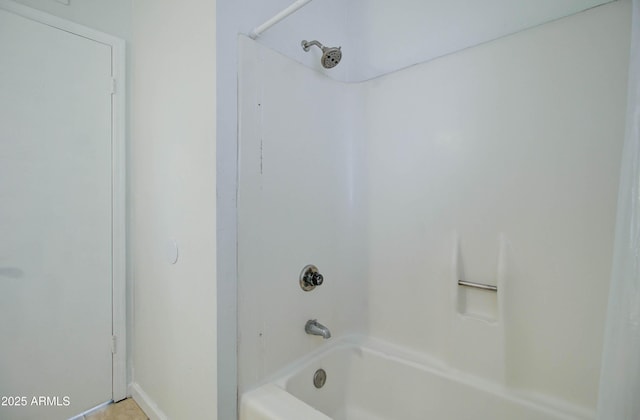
(330, 56)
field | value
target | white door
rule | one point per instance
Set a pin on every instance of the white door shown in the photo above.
(55, 221)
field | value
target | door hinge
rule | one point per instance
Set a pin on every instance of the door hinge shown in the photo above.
(113, 85)
(113, 344)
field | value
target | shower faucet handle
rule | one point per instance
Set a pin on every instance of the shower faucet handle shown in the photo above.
(314, 278)
(310, 278)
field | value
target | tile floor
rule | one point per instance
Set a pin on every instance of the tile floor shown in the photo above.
(123, 410)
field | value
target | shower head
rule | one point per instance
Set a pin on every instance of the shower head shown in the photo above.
(330, 56)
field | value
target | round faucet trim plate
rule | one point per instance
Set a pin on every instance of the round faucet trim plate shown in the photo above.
(310, 278)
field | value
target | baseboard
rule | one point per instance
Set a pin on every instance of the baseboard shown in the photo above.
(146, 403)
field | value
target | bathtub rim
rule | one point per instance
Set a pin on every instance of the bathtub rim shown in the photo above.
(535, 400)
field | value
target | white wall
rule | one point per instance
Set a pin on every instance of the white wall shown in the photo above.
(298, 204)
(172, 178)
(173, 181)
(112, 17)
(513, 149)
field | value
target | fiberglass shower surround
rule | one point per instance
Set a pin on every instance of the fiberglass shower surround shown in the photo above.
(476, 168)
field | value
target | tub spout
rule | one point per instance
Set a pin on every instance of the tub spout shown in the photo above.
(313, 327)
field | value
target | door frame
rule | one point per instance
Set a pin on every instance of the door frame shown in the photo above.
(118, 185)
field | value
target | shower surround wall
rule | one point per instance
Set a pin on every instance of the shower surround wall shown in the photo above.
(498, 164)
(298, 204)
(512, 150)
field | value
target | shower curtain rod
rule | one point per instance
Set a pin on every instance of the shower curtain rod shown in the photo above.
(277, 18)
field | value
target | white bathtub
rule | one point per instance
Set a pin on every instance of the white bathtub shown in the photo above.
(373, 381)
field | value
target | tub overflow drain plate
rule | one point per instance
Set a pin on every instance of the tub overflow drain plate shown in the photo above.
(319, 378)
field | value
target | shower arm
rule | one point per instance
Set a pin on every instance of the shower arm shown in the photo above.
(277, 18)
(307, 44)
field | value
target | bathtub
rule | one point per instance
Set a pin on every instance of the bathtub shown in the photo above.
(372, 380)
